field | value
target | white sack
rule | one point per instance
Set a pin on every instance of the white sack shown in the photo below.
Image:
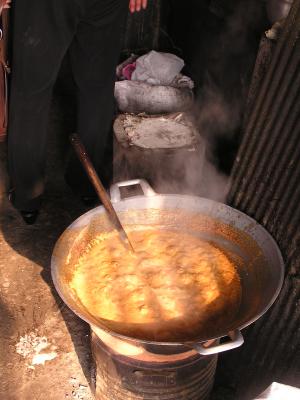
(141, 97)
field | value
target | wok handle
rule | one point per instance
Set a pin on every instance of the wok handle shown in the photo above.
(236, 340)
(115, 193)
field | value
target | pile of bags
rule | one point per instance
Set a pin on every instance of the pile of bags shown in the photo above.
(153, 84)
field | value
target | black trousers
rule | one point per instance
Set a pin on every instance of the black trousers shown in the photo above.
(44, 30)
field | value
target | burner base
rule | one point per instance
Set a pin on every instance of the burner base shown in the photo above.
(120, 377)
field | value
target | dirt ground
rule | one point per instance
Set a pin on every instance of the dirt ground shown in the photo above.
(44, 347)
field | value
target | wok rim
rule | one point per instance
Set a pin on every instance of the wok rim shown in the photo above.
(189, 343)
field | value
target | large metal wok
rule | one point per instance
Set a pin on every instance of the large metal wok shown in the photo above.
(255, 253)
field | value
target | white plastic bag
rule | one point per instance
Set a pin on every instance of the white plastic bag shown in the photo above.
(278, 391)
(157, 68)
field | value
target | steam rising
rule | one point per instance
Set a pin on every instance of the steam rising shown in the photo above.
(187, 170)
(223, 59)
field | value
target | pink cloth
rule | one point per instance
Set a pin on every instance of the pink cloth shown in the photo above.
(127, 71)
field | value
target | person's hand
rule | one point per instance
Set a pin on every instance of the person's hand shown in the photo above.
(4, 4)
(137, 5)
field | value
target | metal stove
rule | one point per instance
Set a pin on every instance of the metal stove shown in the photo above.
(126, 371)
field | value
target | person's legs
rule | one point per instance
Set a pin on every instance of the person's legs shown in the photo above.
(94, 55)
(43, 31)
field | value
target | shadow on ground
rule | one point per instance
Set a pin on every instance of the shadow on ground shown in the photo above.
(32, 246)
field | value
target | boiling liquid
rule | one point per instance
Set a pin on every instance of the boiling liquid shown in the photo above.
(173, 282)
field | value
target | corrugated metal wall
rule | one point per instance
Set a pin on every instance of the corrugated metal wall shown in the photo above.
(266, 186)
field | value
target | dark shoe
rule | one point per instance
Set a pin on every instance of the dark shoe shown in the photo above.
(29, 216)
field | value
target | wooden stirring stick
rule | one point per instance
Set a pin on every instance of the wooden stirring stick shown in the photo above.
(100, 190)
